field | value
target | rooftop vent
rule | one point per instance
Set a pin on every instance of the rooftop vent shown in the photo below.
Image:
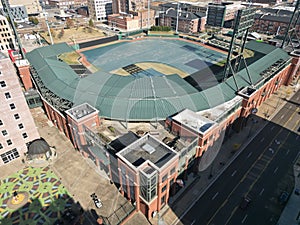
(148, 148)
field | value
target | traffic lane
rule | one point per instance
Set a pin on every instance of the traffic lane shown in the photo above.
(213, 190)
(263, 193)
(265, 204)
(242, 189)
(224, 186)
(251, 178)
(215, 196)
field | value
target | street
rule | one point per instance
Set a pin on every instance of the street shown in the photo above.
(256, 173)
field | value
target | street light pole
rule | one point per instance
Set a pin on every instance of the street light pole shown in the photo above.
(148, 25)
(177, 18)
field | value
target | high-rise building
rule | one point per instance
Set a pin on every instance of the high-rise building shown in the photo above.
(17, 127)
(100, 9)
(7, 40)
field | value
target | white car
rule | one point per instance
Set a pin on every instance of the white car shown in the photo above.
(97, 202)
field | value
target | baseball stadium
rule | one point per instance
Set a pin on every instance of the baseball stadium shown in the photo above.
(174, 86)
(148, 79)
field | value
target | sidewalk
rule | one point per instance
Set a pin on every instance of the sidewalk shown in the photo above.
(196, 187)
(291, 212)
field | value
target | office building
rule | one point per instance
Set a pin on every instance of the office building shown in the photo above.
(17, 127)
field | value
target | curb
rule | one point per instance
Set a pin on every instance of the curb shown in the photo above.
(229, 162)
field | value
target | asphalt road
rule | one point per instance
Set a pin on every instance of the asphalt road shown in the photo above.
(256, 173)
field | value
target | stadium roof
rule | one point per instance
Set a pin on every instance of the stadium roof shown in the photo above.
(140, 98)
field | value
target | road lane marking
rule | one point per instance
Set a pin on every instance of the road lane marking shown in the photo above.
(296, 158)
(244, 218)
(281, 116)
(272, 127)
(290, 107)
(297, 98)
(215, 196)
(249, 154)
(287, 152)
(234, 172)
(245, 175)
(261, 192)
(262, 139)
(193, 222)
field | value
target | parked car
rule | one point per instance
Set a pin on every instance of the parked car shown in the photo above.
(96, 200)
(98, 203)
(283, 197)
(297, 191)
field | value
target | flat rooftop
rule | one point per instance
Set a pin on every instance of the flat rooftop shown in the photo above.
(81, 111)
(194, 121)
(147, 148)
(2, 56)
(216, 113)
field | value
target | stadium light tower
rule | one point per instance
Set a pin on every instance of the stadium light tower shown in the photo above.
(6, 8)
(235, 56)
(291, 34)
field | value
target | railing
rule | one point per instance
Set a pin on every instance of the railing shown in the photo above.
(120, 214)
(229, 112)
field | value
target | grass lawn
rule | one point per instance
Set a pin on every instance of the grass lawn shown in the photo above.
(47, 197)
(70, 58)
(73, 34)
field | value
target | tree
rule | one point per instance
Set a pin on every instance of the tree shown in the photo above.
(69, 23)
(33, 20)
(53, 32)
(61, 34)
(91, 23)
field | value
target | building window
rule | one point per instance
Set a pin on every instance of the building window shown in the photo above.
(1, 123)
(163, 200)
(164, 178)
(9, 142)
(17, 116)
(12, 106)
(7, 95)
(4, 133)
(10, 155)
(1, 146)
(20, 126)
(164, 188)
(25, 135)
(2, 84)
(172, 170)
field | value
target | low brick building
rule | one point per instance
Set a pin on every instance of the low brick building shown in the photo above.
(187, 22)
(273, 21)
